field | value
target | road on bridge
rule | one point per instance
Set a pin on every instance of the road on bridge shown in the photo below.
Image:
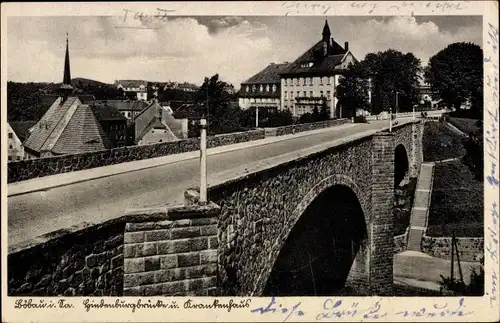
(101, 199)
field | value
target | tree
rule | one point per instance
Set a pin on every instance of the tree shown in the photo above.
(456, 74)
(392, 72)
(352, 91)
(222, 115)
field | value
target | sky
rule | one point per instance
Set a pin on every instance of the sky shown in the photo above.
(187, 49)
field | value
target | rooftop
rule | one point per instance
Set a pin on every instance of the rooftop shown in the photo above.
(270, 74)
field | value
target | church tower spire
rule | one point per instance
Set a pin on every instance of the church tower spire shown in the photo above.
(326, 32)
(66, 88)
(67, 72)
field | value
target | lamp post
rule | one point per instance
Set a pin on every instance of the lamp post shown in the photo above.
(256, 117)
(390, 119)
(203, 161)
(397, 93)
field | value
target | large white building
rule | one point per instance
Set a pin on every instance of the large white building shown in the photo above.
(263, 89)
(311, 80)
(134, 88)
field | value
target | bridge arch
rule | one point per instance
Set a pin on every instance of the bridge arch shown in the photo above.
(401, 164)
(317, 250)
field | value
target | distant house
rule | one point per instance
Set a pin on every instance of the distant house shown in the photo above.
(263, 89)
(129, 109)
(156, 124)
(137, 89)
(68, 126)
(187, 87)
(113, 123)
(17, 132)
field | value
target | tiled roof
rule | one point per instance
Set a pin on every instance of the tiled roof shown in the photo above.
(82, 134)
(46, 125)
(131, 83)
(21, 128)
(174, 124)
(269, 75)
(67, 128)
(106, 112)
(122, 105)
(189, 111)
(322, 63)
(86, 98)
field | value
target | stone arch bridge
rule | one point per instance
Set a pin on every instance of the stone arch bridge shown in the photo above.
(313, 223)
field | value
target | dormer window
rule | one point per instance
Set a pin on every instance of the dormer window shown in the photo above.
(261, 88)
(253, 88)
(274, 87)
(308, 64)
(267, 88)
(248, 88)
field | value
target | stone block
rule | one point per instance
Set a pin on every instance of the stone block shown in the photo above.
(133, 237)
(213, 243)
(186, 232)
(147, 249)
(209, 230)
(208, 256)
(152, 263)
(174, 288)
(173, 246)
(130, 250)
(134, 265)
(168, 261)
(188, 259)
(157, 235)
(197, 244)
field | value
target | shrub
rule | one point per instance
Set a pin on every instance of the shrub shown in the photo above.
(455, 287)
(440, 143)
(359, 119)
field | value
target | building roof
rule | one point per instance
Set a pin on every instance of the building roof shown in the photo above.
(321, 63)
(21, 128)
(131, 83)
(186, 85)
(82, 134)
(67, 128)
(270, 74)
(125, 105)
(189, 111)
(106, 112)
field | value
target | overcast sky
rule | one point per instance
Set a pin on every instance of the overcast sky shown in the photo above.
(190, 48)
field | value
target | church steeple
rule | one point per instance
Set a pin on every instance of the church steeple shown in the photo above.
(326, 32)
(67, 73)
(66, 88)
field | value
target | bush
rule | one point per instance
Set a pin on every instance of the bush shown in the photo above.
(440, 143)
(359, 119)
(454, 287)
(465, 229)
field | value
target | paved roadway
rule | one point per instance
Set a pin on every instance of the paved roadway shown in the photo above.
(97, 200)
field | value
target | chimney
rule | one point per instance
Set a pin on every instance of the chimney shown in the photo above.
(346, 46)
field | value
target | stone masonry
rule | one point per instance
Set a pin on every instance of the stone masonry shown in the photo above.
(32, 168)
(85, 263)
(229, 245)
(174, 257)
(469, 248)
(286, 130)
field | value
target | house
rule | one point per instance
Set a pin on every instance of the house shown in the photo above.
(129, 109)
(262, 89)
(311, 80)
(134, 89)
(156, 124)
(187, 87)
(68, 126)
(15, 142)
(112, 122)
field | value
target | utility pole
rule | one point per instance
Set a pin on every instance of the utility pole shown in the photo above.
(390, 119)
(208, 109)
(203, 161)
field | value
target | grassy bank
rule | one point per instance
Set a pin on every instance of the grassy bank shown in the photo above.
(440, 142)
(467, 126)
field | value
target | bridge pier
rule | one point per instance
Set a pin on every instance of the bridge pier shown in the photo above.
(173, 256)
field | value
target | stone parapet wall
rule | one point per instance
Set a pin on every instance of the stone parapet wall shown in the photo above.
(400, 242)
(174, 257)
(470, 248)
(280, 131)
(85, 263)
(28, 169)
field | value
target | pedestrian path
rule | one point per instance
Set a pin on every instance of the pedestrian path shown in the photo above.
(421, 204)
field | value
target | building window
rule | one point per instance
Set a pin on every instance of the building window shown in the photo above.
(311, 94)
(267, 88)
(298, 94)
(274, 87)
(321, 93)
(10, 135)
(291, 95)
(305, 94)
(248, 88)
(261, 88)
(10, 157)
(286, 95)
(10, 146)
(253, 88)
(18, 158)
(328, 94)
